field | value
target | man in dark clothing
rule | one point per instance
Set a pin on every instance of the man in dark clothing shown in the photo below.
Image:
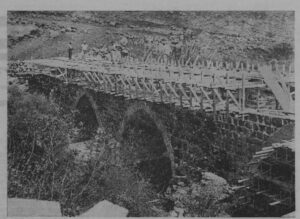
(70, 49)
(176, 50)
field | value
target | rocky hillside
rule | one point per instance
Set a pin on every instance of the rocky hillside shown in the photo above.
(220, 35)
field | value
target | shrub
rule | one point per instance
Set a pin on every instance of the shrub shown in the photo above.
(37, 135)
(39, 167)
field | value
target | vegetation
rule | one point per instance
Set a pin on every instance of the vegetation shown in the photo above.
(41, 167)
(36, 139)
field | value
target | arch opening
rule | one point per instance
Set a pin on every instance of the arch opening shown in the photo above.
(144, 148)
(85, 119)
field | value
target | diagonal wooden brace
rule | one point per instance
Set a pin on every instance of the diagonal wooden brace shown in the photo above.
(183, 91)
(234, 100)
(163, 86)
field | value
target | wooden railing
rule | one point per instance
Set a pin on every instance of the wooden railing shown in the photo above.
(207, 85)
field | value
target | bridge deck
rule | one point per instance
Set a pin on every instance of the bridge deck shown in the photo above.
(208, 87)
(158, 72)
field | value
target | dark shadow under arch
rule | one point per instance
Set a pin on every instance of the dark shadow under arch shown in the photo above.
(92, 102)
(142, 124)
(86, 118)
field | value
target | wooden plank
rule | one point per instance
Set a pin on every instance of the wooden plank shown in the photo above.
(265, 151)
(145, 85)
(243, 180)
(183, 91)
(267, 148)
(260, 192)
(121, 77)
(96, 76)
(194, 93)
(261, 156)
(205, 93)
(218, 95)
(153, 87)
(274, 203)
(128, 80)
(163, 86)
(282, 97)
(92, 76)
(148, 85)
(243, 92)
(234, 100)
(172, 89)
(235, 188)
(108, 79)
(87, 77)
(137, 83)
(196, 59)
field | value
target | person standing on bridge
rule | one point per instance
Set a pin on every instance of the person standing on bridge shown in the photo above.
(84, 49)
(166, 49)
(124, 51)
(70, 49)
(113, 52)
(176, 50)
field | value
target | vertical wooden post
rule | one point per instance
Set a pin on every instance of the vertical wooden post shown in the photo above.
(170, 97)
(123, 88)
(66, 72)
(214, 97)
(191, 99)
(181, 101)
(277, 105)
(129, 88)
(288, 86)
(258, 99)
(214, 104)
(201, 103)
(105, 86)
(290, 69)
(227, 96)
(116, 86)
(136, 91)
(240, 96)
(145, 90)
(160, 92)
(243, 92)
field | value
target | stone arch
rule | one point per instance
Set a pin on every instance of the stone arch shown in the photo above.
(80, 94)
(159, 125)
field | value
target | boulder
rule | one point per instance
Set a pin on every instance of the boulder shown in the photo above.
(215, 185)
(54, 34)
(68, 29)
(113, 23)
(173, 214)
(180, 211)
(73, 29)
(105, 209)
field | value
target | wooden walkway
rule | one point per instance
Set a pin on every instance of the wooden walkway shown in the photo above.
(210, 86)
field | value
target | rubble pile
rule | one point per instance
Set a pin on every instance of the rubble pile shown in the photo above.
(18, 67)
(25, 29)
(22, 32)
(197, 199)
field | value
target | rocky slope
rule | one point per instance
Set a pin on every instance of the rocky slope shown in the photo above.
(219, 35)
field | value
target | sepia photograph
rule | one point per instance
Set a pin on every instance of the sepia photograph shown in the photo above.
(151, 113)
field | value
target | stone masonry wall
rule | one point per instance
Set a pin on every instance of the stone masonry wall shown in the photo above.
(194, 140)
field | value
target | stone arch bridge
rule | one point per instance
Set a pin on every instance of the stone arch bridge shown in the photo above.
(203, 113)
